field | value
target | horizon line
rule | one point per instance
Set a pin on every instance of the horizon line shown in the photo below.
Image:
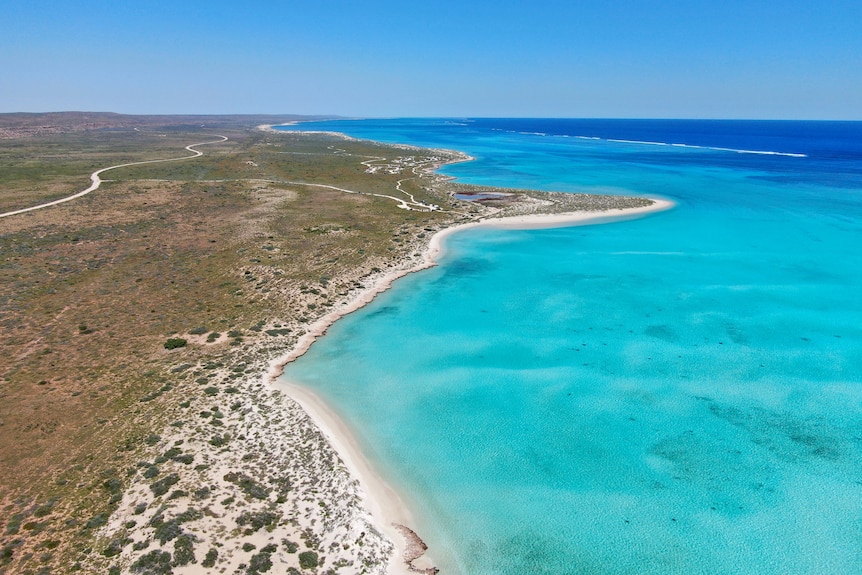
(421, 117)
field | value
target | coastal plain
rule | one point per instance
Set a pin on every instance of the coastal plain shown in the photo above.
(140, 432)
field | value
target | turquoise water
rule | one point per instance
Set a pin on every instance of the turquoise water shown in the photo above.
(676, 394)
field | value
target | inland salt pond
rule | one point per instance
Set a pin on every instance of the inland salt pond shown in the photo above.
(676, 394)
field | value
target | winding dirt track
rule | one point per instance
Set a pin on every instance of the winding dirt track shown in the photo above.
(97, 181)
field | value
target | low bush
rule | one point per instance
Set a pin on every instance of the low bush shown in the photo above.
(175, 342)
(308, 559)
(161, 486)
(184, 551)
(210, 559)
(153, 563)
(260, 563)
(248, 485)
(257, 520)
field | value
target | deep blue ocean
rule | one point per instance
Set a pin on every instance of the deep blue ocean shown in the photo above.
(676, 394)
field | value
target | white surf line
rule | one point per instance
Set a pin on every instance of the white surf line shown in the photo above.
(97, 181)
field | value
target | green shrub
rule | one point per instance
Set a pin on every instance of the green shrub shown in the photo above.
(168, 531)
(175, 342)
(6, 553)
(153, 563)
(44, 509)
(308, 559)
(113, 549)
(161, 486)
(278, 332)
(257, 520)
(14, 524)
(96, 521)
(198, 330)
(248, 485)
(184, 551)
(113, 485)
(149, 397)
(172, 452)
(219, 440)
(210, 559)
(260, 563)
(34, 526)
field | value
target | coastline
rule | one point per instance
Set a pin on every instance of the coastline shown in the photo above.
(434, 250)
(388, 511)
(387, 508)
(254, 470)
(190, 455)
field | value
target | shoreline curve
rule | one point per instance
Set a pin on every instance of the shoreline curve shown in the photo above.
(386, 506)
(435, 249)
(384, 503)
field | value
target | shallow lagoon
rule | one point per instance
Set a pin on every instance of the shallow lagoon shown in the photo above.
(676, 394)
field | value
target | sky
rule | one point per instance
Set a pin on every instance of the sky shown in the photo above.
(772, 59)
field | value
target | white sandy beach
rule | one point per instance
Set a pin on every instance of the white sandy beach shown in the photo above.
(384, 503)
(381, 499)
(546, 221)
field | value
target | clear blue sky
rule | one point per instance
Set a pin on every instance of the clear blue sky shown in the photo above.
(577, 58)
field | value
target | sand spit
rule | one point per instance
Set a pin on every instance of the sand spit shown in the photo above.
(544, 221)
